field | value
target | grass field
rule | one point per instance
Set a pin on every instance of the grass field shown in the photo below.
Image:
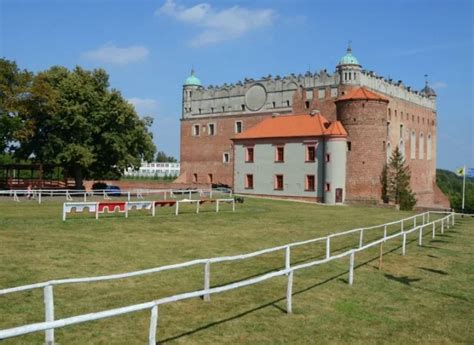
(425, 297)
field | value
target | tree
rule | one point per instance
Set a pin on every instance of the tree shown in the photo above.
(14, 85)
(73, 119)
(384, 183)
(398, 182)
(162, 157)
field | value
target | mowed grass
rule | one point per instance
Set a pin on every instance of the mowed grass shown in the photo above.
(424, 297)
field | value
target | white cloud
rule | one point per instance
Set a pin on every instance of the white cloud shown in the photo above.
(439, 85)
(144, 106)
(218, 25)
(111, 54)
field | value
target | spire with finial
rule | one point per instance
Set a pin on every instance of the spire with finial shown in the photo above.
(427, 90)
(192, 80)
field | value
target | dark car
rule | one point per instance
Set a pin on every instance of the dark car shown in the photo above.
(113, 191)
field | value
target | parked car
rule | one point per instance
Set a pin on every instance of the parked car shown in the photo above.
(113, 190)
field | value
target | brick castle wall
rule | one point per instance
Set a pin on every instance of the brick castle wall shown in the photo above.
(366, 126)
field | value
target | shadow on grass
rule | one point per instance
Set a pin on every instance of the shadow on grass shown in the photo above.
(432, 270)
(274, 302)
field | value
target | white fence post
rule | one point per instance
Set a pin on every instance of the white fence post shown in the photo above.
(442, 225)
(434, 230)
(197, 207)
(401, 227)
(385, 231)
(39, 197)
(351, 268)
(85, 196)
(447, 221)
(177, 207)
(217, 205)
(233, 205)
(64, 212)
(420, 236)
(423, 219)
(452, 218)
(207, 280)
(153, 207)
(361, 238)
(287, 258)
(289, 294)
(190, 196)
(153, 325)
(414, 222)
(49, 313)
(404, 243)
(128, 196)
(328, 247)
(428, 217)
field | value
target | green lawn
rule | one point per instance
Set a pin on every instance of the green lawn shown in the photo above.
(425, 297)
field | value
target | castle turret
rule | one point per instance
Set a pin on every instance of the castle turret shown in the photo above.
(191, 84)
(335, 164)
(349, 69)
(363, 114)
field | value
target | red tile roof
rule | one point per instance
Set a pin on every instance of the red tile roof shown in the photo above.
(361, 93)
(287, 126)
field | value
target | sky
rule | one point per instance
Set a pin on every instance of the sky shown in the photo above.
(149, 47)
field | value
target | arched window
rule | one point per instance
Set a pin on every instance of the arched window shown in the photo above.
(389, 152)
(401, 131)
(428, 147)
(413, 145)
(401, 147)
(388, 130)
(421, 147)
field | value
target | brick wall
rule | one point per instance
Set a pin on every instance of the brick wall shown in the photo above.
(365, 124)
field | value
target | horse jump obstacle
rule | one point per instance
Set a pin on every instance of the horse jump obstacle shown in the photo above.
(126, 206)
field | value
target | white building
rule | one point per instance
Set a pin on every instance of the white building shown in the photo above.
(155, 169)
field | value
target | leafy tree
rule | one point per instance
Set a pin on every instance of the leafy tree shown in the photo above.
(398, 182)
(162, 157)
(73, 119)
(14, 85)
(451, 185)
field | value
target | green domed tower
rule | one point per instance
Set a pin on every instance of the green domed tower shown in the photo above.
(349, 69)
(191, 84)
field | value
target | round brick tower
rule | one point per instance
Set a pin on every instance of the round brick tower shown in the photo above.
(363, 114)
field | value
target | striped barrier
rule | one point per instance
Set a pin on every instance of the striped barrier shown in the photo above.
(124, 207)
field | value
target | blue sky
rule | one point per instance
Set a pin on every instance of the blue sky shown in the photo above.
(148, 48)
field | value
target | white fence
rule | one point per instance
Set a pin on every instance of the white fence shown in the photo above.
(50, 323)
(69, 194)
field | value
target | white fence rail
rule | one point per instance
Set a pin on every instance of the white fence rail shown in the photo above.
(68, 194)
(50, 324)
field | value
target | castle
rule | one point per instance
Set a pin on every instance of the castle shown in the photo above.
(378, 114)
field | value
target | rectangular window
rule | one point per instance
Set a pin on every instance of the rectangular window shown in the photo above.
(349, 146)
(225, 157)
(310, 153)
(321, 93)
(196, 130)
(306, 104)
(238, 126)
(195, 178)
(249, 181)
(249, 154)
(328, 187)
(278, 183)
(242, 107)
(328, 157)
(280, 154)
(211, 128)
(310, 183)
(287, 103)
